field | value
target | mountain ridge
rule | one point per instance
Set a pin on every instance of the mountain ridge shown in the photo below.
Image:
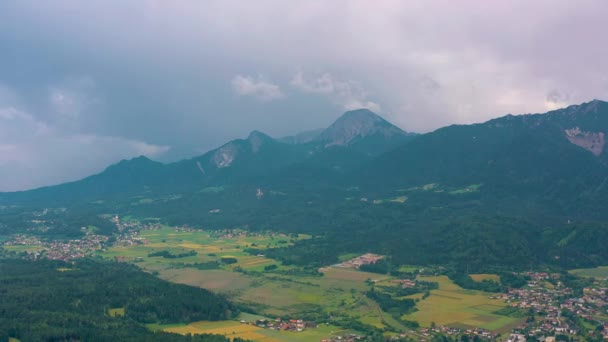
(505, 189)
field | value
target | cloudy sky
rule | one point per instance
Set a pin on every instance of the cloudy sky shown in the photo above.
(84, 84)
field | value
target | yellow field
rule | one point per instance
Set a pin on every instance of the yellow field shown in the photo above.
(230, 329)
(485, 276)
(116, 312)
(191, 245)
(452, 305)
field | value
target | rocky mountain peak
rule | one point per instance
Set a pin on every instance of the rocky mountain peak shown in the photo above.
(356, 124)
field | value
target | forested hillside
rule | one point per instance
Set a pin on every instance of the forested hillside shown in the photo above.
(57, 301)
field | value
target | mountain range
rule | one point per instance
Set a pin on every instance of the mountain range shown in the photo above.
(535, 183)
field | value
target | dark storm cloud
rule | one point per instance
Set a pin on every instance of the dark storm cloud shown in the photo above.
(104, 80)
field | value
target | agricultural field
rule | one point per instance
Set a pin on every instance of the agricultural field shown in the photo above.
(246, 282)
(233, 328)
(597, 272)
(454, 306)
(22, 248)
(209, 246)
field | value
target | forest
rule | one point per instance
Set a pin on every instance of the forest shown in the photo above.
(57, 301)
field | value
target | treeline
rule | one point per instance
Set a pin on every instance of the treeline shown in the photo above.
(57, 301)
(168, 255)
(395, 307)
(420, 287)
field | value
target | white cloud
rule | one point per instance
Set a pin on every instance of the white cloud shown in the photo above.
(257, 88)
(348, 94)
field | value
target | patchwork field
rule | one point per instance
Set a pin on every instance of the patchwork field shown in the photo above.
(278, 293)
(209, 246)
(452, 305)
(273, 294)
(597, 272)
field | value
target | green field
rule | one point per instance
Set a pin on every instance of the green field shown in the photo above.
(597, 272)
(468, 189)
(451, 305)
(209, 246)
(22, 248)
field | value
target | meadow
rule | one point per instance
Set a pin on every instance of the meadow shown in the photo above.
(597, 272)
(451, 305)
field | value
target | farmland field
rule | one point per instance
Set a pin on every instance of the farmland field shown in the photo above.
(454, 306)
(340, 291)
(597, 272)
(234, 328)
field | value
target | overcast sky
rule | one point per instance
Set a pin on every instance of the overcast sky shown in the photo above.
(84, 84)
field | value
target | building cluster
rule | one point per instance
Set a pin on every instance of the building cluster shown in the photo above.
(296, 325)
(557, 311)
(405, 283)
(365, 259)
(427, 333)
(61, 250)
(344, 338)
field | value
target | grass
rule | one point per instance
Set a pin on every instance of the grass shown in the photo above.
(452, 305)
(430, 186)
(400, 199)
(116, 312)
(409, 268)
(597, 272)
(485, 276)
(22, 248)
(465, 190)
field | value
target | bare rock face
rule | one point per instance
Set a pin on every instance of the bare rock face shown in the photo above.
(256, 140)
(225, 155)
(591, 141)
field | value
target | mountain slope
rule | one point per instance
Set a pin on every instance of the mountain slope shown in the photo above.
(545, 149)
